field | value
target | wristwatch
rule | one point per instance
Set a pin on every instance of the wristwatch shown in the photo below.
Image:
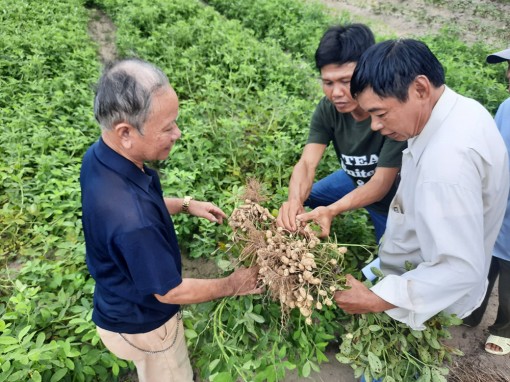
(185, 203)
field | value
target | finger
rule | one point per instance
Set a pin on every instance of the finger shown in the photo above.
(287, 220)
(307, 216)
(209, 216)
(217, 211)
(324, 232)
(279, 221)
(221, 213)
(350, 280)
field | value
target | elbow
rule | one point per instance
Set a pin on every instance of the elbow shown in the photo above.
(173, 296)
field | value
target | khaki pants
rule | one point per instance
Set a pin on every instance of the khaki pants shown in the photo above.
(159, 356)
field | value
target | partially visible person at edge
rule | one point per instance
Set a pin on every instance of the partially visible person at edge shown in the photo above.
(499, 338)
(449, 206)
(131, 244)
(370, 162)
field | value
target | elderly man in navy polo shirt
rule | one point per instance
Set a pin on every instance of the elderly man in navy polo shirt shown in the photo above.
(132, 249)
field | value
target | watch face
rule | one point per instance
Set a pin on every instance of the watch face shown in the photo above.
(185, 203)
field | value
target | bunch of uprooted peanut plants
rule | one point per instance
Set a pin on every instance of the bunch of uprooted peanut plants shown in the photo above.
(297, 268)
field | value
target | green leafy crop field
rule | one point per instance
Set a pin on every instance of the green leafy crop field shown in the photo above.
(244, 74)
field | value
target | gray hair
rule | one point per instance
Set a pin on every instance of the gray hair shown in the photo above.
(124, 93)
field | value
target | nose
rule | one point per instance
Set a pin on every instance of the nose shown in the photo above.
(376, 125)
(178, 132)
(338, 90)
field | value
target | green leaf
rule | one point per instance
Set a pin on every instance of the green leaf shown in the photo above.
(374, 362)
(8, 340)
(18, 376)
(282, 352)
(36, 377)
(213, 364)
(70, 364)
(255, 317)
(358, 372)
(424, 354)
(425, 375)
(321, 357)
(342, 359)
(115, 369)
(288, 365)
(221, 377)
(40, 339)
(5, 366)
(58, 375)
(190, 333)
(306, 369)
(23, 332)
(437, 376)
(434, 343)
(224, 265)
(376, 271)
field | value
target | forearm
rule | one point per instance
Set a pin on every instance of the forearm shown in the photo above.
(193, 291)
(372, 191)
(301, 182)
(358, 198)
(174, 205)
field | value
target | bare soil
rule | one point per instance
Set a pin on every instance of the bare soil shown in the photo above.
(476, 21)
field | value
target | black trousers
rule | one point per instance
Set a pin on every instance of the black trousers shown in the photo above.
(501, 326)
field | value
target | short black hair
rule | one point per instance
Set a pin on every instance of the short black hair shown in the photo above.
(343, 44)
(390, 67)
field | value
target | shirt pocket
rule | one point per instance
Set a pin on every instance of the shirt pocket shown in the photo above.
(397, 238)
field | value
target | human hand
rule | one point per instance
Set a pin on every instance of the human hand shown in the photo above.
(206, 210)
(359, 299)
(321, 216)
(287, 215)
(243, 281)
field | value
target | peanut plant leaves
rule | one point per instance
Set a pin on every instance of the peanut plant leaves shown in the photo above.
(374, 362)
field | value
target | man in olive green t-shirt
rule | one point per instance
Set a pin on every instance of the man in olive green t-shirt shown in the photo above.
(370, 162)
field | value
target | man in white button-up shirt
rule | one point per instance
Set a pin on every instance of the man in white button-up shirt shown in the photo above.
(449, 206)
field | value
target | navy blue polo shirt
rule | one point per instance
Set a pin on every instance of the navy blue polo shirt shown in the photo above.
(132, 250)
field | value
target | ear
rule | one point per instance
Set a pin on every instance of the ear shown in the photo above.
(124, 133)
(421, 87)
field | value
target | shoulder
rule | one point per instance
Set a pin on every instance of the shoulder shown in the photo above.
(504, 108)
(325, 109)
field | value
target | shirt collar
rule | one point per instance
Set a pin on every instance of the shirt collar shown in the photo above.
(122, 165)
(440, 112)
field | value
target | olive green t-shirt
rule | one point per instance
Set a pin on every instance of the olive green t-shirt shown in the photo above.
(359, 149)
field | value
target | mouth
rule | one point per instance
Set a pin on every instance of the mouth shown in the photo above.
(340, 105)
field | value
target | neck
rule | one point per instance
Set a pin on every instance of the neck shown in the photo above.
(359, 114)
(116, 146)
(435, 94)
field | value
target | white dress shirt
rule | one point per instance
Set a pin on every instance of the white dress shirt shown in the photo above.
(446, 214)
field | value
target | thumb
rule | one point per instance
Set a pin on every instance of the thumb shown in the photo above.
(307, 216)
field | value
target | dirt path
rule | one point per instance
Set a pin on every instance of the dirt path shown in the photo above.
(474, 20)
